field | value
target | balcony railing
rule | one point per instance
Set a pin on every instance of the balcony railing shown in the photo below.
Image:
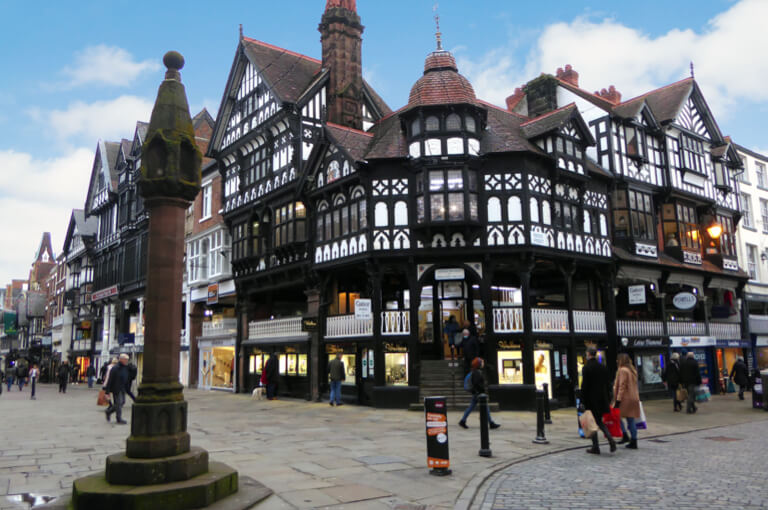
(508, 320)
(588, 321)
(550, 320)
(341, 326)
(220, 327)
(725, 330)
(275, 328)
(685, 328)
(758, 324)
(396, 322)
(57, 321)
(639, 328)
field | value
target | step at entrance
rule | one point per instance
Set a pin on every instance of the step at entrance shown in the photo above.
(444, 378)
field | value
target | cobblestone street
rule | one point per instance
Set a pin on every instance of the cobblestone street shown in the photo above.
(316, 456)
(717, 469)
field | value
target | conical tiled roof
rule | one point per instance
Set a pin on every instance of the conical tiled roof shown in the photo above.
(441, 83)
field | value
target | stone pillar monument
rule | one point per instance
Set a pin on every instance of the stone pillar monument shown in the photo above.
(159, 469)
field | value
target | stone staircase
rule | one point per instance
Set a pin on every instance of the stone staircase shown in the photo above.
(444, 378)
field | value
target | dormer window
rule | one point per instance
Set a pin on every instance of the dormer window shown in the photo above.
(470, 121)
(416, 127)
(722, 179)
(691, 154)
(635, 142)
(432, 123)
(449, 195)
(453, 122)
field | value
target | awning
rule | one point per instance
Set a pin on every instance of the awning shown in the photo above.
(295, 339)
(639, 274)
(723, 283)
(690, 280)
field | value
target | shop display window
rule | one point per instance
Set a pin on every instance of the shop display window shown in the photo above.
(762, 358)
(257, 363)
(222, 367)
(292, 364)
(650, 367)
(283, 364)
(396, 368)
(581, 359)
(349, 368)
(541, 370)
(302, 364)
(510, 367)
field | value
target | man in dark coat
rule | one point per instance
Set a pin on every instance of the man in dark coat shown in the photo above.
(337, 374)
(271, 368)
(470, 348)
(90, 373)
(672, 378)
(63, 376)
(595, 388)
(116, 383)
(690, 377)
(739, 376)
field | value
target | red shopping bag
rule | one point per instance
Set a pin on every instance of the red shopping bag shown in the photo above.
(612, 420)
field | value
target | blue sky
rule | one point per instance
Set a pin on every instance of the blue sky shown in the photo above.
(74, 75)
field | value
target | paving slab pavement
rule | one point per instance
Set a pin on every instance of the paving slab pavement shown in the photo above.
(311, 454)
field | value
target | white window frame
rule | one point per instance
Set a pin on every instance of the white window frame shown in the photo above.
(746, 209)
(192, 260)
(206, 206)
(764, 214)
(752, 265)
(760, 175)
(216, 258)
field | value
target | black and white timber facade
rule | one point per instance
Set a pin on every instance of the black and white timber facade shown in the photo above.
(567, 220)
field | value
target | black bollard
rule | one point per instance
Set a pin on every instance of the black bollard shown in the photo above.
(485, 447)
(547, 415)
(540, 438)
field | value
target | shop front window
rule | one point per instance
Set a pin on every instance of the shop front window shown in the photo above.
(541, 370)
(396, 368)
(222, 367)
(426, 332)
(510, 365)
(650, 367)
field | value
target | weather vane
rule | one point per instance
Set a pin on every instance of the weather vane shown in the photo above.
(438, 35)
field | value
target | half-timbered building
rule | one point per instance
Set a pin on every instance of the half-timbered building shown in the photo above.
(361, 231)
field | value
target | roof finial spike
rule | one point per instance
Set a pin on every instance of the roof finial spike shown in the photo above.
(692, 76)
(241, 31)
(438, 35)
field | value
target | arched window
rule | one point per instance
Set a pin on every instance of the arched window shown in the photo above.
(381, 215)
(455, 145)
(546, 213)
(432, 123)
(494, 210)
(587, 223)
(401, 213)
(470, 122)
(603, 226)
(534, 206)
(453, 122)
(416, 127)
(514, 209)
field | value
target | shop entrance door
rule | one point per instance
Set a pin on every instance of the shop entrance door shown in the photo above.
(206, 376)
(453, 313)
(562, 380)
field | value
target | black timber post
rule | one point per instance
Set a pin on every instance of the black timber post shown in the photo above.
(609, 306)
(527, 347)
(490, 337)
(374, 284)
(414, 347)
(313, 312)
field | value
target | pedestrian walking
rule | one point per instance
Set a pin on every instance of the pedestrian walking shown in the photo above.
(63, 376)
(690, 377)
(9, 378)
(90, 373)
(595, 388)
(103, 373)
(270, 367)
(21, 375)
(117, 381)
(627, 398)
(470, 347)
(477, 380)
(337, 373)
(133, 371)
(671, 377)
(739, 375)
(2, 380)
(34, 373)
(450, 330)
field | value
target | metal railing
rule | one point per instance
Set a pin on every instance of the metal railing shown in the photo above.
(508, 320)
(396, 322)
(725, 330)
(220, 327)
(758, 324)
(550, 320)
(639, 328)
(588, 321)
(686, 328)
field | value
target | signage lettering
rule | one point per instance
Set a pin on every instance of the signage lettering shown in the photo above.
(213, 294)
(105, 293)
(363, 309)
(636, 294)
(684, 300)
(437, 433)
(456, 273)
(309, 324)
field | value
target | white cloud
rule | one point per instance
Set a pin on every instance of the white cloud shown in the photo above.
(108, 120)
(607, 53)
(107, 65)
(37, 196)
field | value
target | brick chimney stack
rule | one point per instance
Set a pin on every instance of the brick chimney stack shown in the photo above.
(569, 75)
(341, 38)
(612, 95)
(514, 99)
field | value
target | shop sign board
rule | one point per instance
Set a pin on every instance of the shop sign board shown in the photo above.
(453, 273)
(435, 414)
(363, 309)
(213, 294)
(692, 341)
(684, 300)
(309, 324)
(104, 293)
(539, 238)
(646, 342)
(761, 341)
(636, 294)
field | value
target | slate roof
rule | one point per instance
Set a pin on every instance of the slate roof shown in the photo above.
(504, 132)
(141, 129)
(548, 121)
(378, 101)
(287, 72)
(388, 139)
(110, 160)
(202, 116)
(354, 141)
(85, 227)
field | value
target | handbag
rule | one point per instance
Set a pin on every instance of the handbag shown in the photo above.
(612, 420)
(102, 399)
(702, 393)
(588, 424)
(640, 423)
(681, 395)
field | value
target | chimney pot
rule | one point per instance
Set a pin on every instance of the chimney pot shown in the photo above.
(568, 75)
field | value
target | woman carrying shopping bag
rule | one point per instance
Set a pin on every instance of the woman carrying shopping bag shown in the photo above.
(627, 396)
